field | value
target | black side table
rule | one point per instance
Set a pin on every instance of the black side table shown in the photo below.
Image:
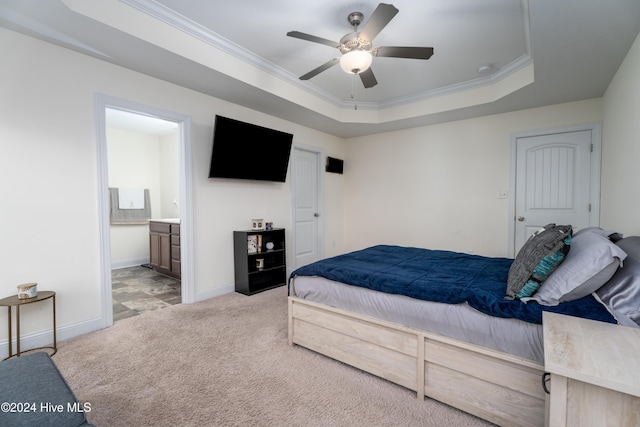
(14, 301)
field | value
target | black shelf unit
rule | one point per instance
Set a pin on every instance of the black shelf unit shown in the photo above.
(250, 278)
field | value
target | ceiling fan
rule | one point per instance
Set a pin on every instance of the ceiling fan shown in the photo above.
(357, 49)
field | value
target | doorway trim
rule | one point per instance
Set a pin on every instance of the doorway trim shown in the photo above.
(319, 152)
(101, 103)
(594, 185)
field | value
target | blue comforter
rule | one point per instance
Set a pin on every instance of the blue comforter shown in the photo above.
(443, 276)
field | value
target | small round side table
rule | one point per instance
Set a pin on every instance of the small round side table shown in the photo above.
(14, 301)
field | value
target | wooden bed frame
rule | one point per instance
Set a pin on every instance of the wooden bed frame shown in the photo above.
(496, 386)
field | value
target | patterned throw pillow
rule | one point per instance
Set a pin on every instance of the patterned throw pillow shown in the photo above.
(540, 255)
(592, 261)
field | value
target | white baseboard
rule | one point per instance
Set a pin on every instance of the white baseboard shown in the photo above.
(129, 263)
(45, 338)
(227, 289)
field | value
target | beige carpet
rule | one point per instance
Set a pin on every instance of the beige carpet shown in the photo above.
(226, 362)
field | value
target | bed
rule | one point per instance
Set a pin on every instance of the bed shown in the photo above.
(441, 323)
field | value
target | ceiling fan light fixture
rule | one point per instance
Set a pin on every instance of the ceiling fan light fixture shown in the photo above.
(356, 61)
(356, 47)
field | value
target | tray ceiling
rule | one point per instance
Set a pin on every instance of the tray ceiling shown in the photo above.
(490, 56)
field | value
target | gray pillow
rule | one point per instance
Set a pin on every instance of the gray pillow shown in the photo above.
(590, 230)
(591, 262)
(622, 292)
(614, 236)
(537, 259)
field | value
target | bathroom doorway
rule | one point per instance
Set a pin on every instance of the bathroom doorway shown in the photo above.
(147, 151)
(142, 157)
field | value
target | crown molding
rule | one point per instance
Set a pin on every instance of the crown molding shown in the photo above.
(43, 30)
(188, 26)
(194, 29)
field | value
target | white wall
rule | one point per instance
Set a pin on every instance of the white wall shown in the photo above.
(437, 186)
(48, 179)
(621, 148)
(169, 177)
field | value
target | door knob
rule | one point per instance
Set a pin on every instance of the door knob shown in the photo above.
(316, 214)
(520, 218)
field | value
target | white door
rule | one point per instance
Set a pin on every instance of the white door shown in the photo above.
(307, 221)
(553, 182)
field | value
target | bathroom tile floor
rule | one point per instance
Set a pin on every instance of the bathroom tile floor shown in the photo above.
(139, 289)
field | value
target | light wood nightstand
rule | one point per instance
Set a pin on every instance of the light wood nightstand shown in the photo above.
(595, 372)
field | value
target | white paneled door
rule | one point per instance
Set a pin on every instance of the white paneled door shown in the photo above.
(306, 206)
(553, 182)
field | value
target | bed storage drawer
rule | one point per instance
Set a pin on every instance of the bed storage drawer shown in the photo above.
(372, 347)
(497, 387)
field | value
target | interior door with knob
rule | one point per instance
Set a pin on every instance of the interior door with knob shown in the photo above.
(306, 203)
(553, 182)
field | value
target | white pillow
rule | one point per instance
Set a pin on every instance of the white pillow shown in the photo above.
(591, 262)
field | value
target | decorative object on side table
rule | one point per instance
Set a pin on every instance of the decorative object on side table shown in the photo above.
(257, 224)
(270, 246)
(268, 226)
(27, 290)
(260, 263)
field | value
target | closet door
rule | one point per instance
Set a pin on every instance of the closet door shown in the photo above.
(553, 182)
(306, 202)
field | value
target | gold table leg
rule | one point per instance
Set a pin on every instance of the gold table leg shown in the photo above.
(55, 342)
(9, 334)
(18, 330)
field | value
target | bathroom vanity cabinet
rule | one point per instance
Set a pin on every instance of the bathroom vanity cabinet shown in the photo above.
(164, 247)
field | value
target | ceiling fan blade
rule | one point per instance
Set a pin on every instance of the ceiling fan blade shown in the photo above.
(320, 69)
(368, 79)
(309, 37)
(403, 52)
(378, 20)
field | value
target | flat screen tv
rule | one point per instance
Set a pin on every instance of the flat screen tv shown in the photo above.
(247, 151)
